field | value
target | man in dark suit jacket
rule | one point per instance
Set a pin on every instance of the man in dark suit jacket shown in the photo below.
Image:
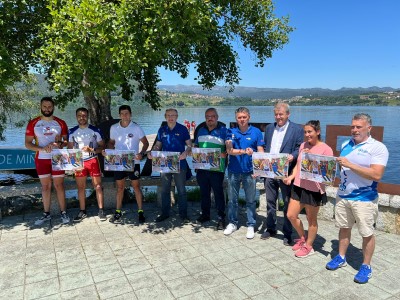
(282, 136)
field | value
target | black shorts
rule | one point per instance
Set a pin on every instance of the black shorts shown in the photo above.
(308, 197)
(135, 175)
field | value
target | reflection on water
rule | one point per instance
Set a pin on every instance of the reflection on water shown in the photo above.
(150, 121)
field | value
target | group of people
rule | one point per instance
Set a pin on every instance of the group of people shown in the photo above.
(362, 163)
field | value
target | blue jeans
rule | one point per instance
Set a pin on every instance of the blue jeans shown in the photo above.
(208, 180)
(272, 187)
(180, 179)
(249, 186)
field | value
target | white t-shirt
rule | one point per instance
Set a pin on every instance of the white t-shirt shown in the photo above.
(81, 137)
(353, 186)
(127, 138)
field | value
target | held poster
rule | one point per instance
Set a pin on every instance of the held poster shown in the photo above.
(206, 158)
(66, 159)
(119, 160)
(165, 161)
(318, 168)
(270, 165)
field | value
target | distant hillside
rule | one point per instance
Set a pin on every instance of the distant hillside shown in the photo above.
(249, 92)
(272, 93)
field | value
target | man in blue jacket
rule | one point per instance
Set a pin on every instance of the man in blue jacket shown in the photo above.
(283, 136)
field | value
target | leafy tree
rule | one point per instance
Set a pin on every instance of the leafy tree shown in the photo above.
(20, 22)
(96, 47)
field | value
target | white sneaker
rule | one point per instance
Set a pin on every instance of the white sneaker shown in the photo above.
(230, 229)
(43, 219)
(250, 232)
(64, 218)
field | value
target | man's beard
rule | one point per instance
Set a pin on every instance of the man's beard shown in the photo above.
(47, 113)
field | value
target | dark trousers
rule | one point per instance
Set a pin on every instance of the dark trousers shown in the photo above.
(272, 187)
(208, 180)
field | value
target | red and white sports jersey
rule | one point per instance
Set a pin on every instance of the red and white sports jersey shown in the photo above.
(45, 132)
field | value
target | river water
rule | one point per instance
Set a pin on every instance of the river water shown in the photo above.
(333, 115)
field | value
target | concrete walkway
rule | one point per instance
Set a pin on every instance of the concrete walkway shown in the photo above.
(100, 260)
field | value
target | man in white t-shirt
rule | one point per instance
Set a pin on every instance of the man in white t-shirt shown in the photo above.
(89, 140)
(126, 135)
(362, 161)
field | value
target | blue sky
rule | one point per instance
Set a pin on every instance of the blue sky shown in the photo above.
(337, 43)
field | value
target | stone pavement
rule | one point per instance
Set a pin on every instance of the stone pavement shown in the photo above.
(100, 260)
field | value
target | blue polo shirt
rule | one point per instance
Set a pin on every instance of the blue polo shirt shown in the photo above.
(252, 138)
(213, 139)
(174, 140)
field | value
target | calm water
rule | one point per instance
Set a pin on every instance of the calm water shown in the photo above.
(150, 121)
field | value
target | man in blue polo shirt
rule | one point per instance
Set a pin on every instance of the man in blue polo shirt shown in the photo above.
(173, 137)
(212, 135)
(240, 143)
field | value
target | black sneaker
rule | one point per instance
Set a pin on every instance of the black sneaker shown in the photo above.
(82, 214)
(116, 218)
(185, 220)
(102, 215)
(268, 233)
(161, 218)
(203, 218)
(142, 218)
(221, 224)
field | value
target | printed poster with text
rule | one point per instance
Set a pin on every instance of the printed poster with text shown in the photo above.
(119, 160)
(206, 158)
(318, 168)
(165, 161)
(66, 159)
(270, 165)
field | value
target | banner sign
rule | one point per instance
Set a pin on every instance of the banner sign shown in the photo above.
(318, 168)
(270, 165)
(66, 159)
(165, 162)
(119, 160)
(16, 159)
(206, 158)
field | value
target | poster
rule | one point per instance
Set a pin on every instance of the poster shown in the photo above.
(165, 162)
(206, 158)
(66, 159)
(318, 168)
(270, 165)
(119, 160)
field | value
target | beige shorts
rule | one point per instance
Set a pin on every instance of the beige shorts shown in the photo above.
(363, 213)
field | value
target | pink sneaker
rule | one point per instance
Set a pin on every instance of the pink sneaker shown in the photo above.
(298, 243)
(305, 251)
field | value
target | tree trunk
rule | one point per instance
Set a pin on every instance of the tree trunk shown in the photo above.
(99, 107)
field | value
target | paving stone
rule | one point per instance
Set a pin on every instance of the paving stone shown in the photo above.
(210, 278)
(252, 285)
(76, 280)
(35, 274)
(235, 270)
(135, 265)
(87, 293)
(298, 291)
(172, 271)
(114, 287)
(11, 280)
(42, 289)
(158, 291)
(15, 293)
(220, 258)
(227, 291)
(197, 264)
(201, 295)
(183, 286)
(107, 272)
(143, 279)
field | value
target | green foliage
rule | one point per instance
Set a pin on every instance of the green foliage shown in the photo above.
(102, 46)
